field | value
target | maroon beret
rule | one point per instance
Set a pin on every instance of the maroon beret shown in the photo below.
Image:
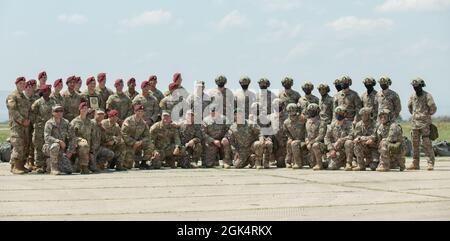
(42, 74)
(57, 82)
(144, 84)
(90, 80)
(176, 76)
(117, 82)
(20, 79)
(82, 105)
(131, 80)
(113, 113)
(138, 107)
(45, 88)
(152, 77)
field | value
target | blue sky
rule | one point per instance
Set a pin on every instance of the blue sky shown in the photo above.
(305, 39)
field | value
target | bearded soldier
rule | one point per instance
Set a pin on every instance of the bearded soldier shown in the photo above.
(265, 97)
(294, 128)
(288, 95)
(325, 104)
(339, 141)
(244, 98)
(369, 98)
(131, 91)
(388, 99)
(222, 98)
(315, 135)
(308, 98)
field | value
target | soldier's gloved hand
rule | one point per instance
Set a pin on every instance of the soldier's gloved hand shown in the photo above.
(217, 143)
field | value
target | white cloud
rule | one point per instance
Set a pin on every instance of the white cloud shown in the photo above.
(20, 33)
(234, 19)
(351, 23)
(155, 17)
(281, 5)
(300, 50)
(279, 30)
(413, 5)
(73, 18)
(425, 46)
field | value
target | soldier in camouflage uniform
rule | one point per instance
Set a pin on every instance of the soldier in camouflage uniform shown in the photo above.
(100, 155)
(78, 84)
(131, 91)
(91, 97)
(30, 93)
(136, 134)
(113, 140)
(199, 101)
(119, 101)
(222, 98)
(191, 139)
(308, 98)
(315, 135)
(102, 90)
(339, 141)
(167, 142)
(388, 99)
(288, 95)
(19, 122)
(369, 97)
(244, 98)
(214, 129)
(56, 94)
(175, 101)
(389, 138)
(71, 101)
(56, 136)
(80, 132)
(294, 128)
(150, 103)
(362, 133)
(325, 104)
(42, 112)
(348, 99)
(42, 78)
(421, 106)
(153, 80)
(265, 97)
(279, 138)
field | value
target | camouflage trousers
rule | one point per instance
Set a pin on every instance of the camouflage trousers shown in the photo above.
(295, 152)
(118, 152)
(212, 154)
(38, 141)
(279, 150)
(134, 156)
(244, 157)
(57, 161)
(387, 158)
(364, 154)
(263, 152)
(316, 151)
(166, 155)
(423, 134)
(193, 153)
(344, 155)
(100, 158)
(20, 143)
(82, 154)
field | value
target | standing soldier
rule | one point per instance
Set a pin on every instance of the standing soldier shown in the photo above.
(339, 141)
(19, 122)
(153, 80)
(150, 103)
(308, 98)
(222, 98)
(389, 138)
(30, 93)
(119, 101)
(167, 142)
(42, 78)
(175, 100)
(56, 95)
(247, 143)
(295, 131)
(214, 130)
(288, 95)
(80, 132)
(78, 84)
(326, 104)
(279, 139)
(114, 141)
(191, 138)
(348, 99)
(91, 97)
(362, 133)
(42, 112)
(71, 101)
(244, 98)
(136, 134)
(265, 97)
(315, 135)
(369, 98)
(102, 90)
(421, 106)
(56, 136)
(131, 91)
(199, 101)
(388, 99)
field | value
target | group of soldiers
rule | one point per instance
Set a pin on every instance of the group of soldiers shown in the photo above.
(88, 132)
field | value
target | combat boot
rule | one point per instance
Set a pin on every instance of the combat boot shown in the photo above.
(84, 170)
(382, 168)
(414, 166)
(119, 167)
(360, 167)
(296, 166)
(348, 167)
(226, 166)
(18, 168)
(318, 166)
(430, 167)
